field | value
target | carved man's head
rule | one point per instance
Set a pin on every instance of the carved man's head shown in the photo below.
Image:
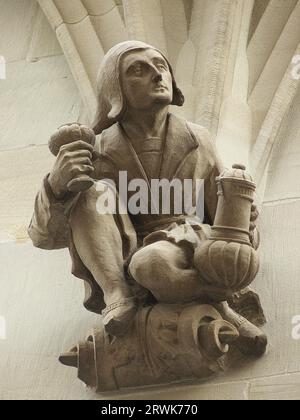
(133, 74)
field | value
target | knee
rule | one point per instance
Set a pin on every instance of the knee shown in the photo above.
(150, 263)
(86, 209)
(88, 200)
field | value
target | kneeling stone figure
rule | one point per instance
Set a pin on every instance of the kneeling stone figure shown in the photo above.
(164, 283)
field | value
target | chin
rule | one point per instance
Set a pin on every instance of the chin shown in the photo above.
(162, 99)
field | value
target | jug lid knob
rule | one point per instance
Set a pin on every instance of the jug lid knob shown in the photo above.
(239, 166)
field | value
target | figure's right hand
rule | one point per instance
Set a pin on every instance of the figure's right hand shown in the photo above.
(72, 160)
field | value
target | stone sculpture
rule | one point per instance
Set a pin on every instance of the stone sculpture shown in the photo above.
(171, 288)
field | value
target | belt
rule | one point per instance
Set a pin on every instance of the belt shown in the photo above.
(157, 224)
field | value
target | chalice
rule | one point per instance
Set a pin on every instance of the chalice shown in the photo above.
(69, 133)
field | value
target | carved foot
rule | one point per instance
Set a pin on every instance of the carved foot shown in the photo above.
(247, 303)
(252, 341)
(118, 317)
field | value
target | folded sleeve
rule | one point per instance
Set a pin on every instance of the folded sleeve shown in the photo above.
(49, 226)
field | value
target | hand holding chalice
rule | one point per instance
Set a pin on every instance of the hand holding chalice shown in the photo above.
(73, 145)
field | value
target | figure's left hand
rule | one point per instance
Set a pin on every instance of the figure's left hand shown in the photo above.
(254, 234)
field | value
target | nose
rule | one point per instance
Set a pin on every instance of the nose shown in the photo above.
(157, 77)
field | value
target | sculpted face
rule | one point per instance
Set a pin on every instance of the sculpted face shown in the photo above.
(146, 79)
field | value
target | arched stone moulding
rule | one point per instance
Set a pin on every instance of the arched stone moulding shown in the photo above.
(275, 88)
(84, 30)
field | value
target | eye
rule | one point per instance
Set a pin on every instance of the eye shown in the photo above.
(161, 66)
(137, 69)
